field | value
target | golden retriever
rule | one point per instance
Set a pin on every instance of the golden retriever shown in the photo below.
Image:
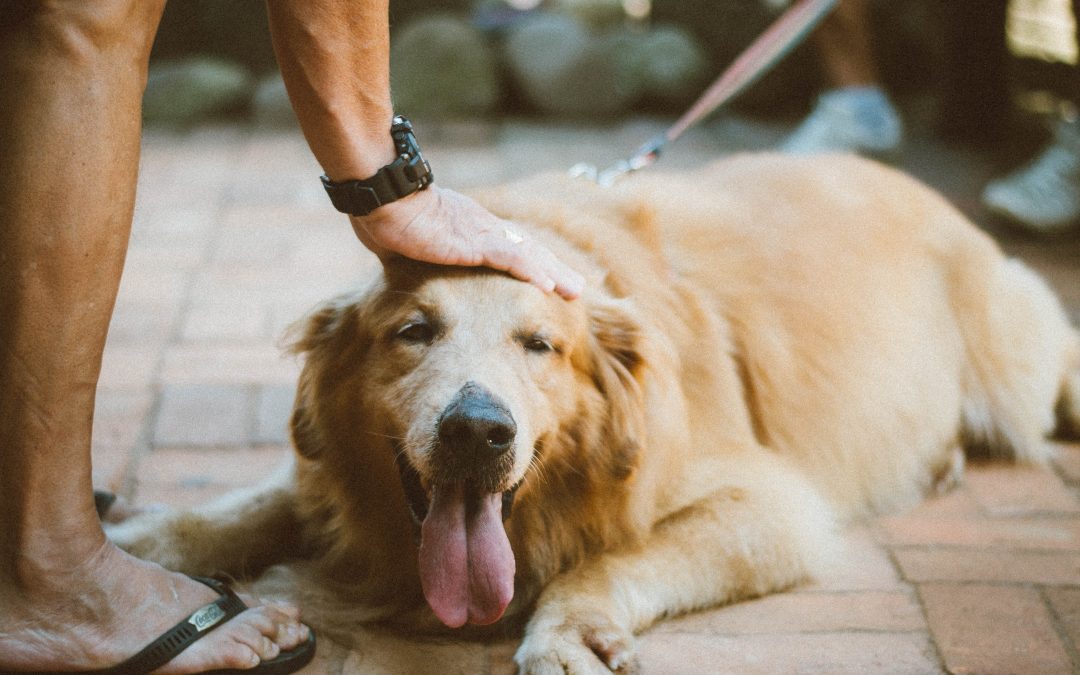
(767, 347)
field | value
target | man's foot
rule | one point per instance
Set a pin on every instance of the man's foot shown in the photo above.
(1044, 196)
(851, 119)
(108, 609)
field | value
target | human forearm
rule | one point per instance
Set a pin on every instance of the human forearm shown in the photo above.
(334, 58)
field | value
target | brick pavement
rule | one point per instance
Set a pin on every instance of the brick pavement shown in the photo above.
(233, 240)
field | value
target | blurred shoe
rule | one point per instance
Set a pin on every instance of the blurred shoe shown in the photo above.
(1044, 196)
(852, 119)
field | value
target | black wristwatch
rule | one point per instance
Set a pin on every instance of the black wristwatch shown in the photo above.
(407, 174)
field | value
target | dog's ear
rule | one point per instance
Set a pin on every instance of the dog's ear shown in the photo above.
(617, 365)
(326, 337)
(305, 433)
(326, 323)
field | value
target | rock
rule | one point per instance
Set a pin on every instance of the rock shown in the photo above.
(185, 92)
(270, 104)
(402, 12)
(674, 67)
(564, 69)
(235, 31)
(597, 14)
(440, 66)
(725, 29)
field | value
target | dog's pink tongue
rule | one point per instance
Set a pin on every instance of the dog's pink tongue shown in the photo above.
(466, 564)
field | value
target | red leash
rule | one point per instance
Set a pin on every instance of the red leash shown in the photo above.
(787, 32)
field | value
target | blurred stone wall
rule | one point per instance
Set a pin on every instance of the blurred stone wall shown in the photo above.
(569, 58)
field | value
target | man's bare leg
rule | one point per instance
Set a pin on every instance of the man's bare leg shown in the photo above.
(73, 74)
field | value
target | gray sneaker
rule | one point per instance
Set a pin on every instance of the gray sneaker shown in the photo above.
(1044, 196)
(856, 119)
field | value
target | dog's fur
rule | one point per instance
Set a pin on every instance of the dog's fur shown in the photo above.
(766, 347)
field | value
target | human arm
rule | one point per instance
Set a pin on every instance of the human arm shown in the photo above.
(334, 58)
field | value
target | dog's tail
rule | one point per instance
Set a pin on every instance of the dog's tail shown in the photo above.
(1068, 409)
(1023, 362)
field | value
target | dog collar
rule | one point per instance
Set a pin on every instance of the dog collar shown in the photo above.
(407, 174)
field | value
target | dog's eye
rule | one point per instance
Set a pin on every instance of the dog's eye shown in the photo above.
(536, 343)
(416, 332)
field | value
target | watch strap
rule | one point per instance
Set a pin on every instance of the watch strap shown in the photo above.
(407, 174)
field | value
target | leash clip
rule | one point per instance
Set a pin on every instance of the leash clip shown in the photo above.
(645, 155)
(763, 53)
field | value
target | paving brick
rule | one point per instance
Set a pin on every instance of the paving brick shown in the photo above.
(267, 148)
(389, 655)
(255, 243)
(823, 653)
(194, 415)
(293, 222)
(119, 418)
(1067, 461)
(162, 225)
(957, 502)
(272, 414)
(977, 630)
(1065, 603)
(462, 169)
(128, 367)
(884, 611)
(1017, 490)
(1010, 533)
(920, 565)
(862, 564)
(153, 285)
(142, 324)
(241, 322)
(338, 255)
(155, 196)
(260, 283)
(228, 364)
(110, 467)
(273, 187)
(182, 256)
(187, 477)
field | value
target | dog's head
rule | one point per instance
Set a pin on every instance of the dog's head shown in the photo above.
(464, 383)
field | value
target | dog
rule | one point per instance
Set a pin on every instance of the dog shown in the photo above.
(767, 348)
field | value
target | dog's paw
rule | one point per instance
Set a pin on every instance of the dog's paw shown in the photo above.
(586, 646)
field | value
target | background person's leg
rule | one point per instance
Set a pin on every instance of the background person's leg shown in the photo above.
(72, 77)
(844, 43)
(854, 115)
(1044, 195)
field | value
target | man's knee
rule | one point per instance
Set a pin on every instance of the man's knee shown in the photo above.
(86, 29)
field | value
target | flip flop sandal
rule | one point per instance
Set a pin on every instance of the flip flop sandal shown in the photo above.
(197, 626)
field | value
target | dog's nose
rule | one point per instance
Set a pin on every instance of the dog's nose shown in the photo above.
(476, 425)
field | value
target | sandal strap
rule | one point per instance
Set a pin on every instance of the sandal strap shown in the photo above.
(181, 636)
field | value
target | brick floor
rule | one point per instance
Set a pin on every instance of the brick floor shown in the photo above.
(234, 241)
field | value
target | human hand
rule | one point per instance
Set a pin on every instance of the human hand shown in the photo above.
(439, 225)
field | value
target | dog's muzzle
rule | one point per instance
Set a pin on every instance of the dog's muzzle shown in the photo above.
(474, 441)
